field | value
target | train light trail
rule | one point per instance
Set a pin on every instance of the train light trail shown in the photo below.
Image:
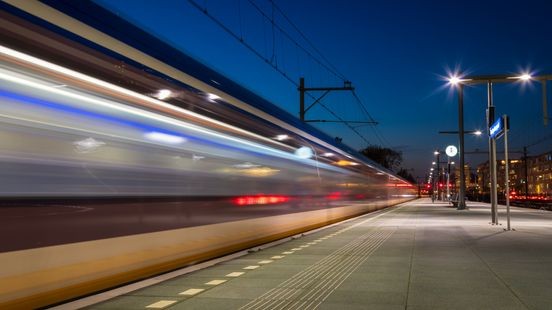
(7, 52)
(260, 200)
(281, 137)
(87, 145)
(304, 152)
(163, 94)
(213, 97)
(346, 163)
(165, 138)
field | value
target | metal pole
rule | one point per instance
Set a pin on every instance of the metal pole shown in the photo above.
(462, 191)
(492, 153)
(544, 104)
(494, 186)
(448, 178)
(438, 177)
(507, 185)
(525, 159)
(302, 99)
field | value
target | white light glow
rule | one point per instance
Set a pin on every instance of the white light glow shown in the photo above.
(304, 152)
(328, 154)
(478, 132)
(436, 153)
(433, 163)
(165, 138)
(454, 80)
(163, 94)
(87, 145)
(452, 163)
(431, 169)
(525, 77)
(281, 137)
(213, 97)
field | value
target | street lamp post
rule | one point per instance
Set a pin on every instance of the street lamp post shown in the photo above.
(462, 190)
(437, 153)
(492, 154)
(461, 133)
(488, 79)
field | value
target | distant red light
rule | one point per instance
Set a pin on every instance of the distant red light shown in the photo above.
(334, 196)
(259, 200)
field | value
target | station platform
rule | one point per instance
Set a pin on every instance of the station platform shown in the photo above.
(417, 255)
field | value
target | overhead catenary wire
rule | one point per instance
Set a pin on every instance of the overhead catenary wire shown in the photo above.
(272, 61)
(292, 40)
(336, 71)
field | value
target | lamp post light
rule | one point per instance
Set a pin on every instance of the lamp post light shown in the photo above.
(462, 190)
(448, 177)
(459, 82)
(438, 178)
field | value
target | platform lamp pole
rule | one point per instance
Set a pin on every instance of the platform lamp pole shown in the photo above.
(462, 190)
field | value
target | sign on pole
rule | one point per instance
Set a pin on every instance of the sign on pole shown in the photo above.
(498, 127)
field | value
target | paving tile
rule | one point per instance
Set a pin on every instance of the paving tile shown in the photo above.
(201, 303)
(129, 302)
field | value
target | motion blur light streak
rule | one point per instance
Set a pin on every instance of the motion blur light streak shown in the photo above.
(346, 163)
(83, 77)
(213, 97)
(281, 137)
(12, 77)
(165, 138)
(304, 152)
(88, 145)
(163, 94)
(260, 200)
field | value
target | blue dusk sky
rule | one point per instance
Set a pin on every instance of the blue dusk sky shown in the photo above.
(397, 54)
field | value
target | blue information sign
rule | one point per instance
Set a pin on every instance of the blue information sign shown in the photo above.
(497, 128)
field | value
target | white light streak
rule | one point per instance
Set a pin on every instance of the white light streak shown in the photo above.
(165, 138)
(304, 152)
(212, 97)
(77, 75)
(163, 94)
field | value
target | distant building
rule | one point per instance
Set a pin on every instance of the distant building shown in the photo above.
(539, 175)
(470, 178)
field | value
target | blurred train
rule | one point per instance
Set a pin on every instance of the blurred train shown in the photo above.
(121, 158)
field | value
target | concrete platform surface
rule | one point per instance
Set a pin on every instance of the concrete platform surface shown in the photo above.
(418, 255)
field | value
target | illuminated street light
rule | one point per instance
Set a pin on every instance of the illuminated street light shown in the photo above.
(454, 80)
(433, 163)
(436, 153)
(478, 132)
(525, 77)
(489, 80)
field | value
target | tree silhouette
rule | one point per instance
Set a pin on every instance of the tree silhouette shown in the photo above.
(384, 156)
